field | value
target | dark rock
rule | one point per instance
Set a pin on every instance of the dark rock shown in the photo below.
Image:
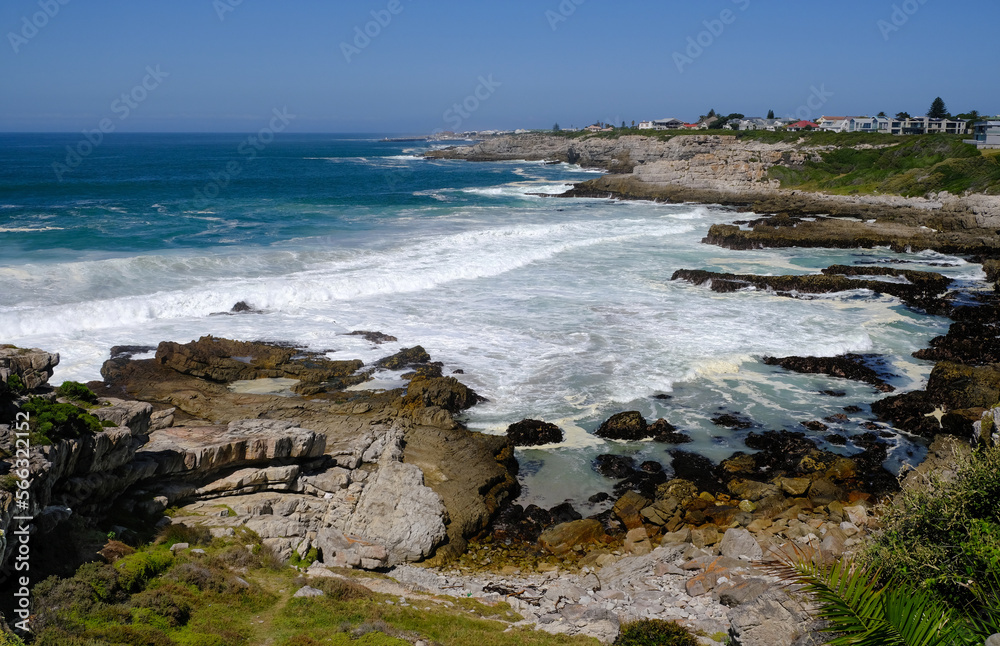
(848, 366)
(242, 306)
(445, 392)
(519, 524)
(374, 337)
(662, 396)
(816, 426)
(403, 358)
(838, 440)
(458, 371)
(665, 432)
(599, 497)
(614, 466)
(732, 421)
(564, 513)
(834, 393)
(629, 425)
(431, 370)
(651, 466)
(532, 432)
(696, 469)
(852, 409)
(127, 351)
(642, 482)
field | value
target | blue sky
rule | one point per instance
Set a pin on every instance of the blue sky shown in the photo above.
(225, 65)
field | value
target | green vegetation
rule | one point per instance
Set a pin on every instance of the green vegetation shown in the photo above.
(52, 421)
(913, 167)
(945, 537)
(861, 612)
(932, 576)
(304, 561)
(76, 391)
(655, 632)
(234, 596)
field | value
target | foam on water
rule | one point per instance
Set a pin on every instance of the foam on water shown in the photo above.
(555, 309)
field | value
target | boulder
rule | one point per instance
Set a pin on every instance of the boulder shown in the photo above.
(444, 392)
(630, 425)
(33, 367)
(563, 538)
(629, 508)
(136, 416)
(532, 432)
(740, 544)
(403, 358)
(614, 466)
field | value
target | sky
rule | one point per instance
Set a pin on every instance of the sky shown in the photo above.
(418, 66)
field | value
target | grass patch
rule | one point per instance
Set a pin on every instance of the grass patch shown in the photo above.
(234, 596)
(914, 167)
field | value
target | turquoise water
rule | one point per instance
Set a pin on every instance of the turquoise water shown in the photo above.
(555, 309)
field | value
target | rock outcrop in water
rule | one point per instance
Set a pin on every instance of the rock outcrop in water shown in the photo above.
(369, 478)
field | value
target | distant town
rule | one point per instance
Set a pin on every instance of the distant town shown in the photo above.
(985, 130)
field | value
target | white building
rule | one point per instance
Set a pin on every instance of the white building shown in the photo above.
(661, 124)
(987, 134)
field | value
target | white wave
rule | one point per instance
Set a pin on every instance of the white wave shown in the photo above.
(29, 229)
(423, 265)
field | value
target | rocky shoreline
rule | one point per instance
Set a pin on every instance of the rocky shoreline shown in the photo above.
(333, 477)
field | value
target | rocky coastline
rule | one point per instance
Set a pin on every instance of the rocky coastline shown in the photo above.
(331, 476)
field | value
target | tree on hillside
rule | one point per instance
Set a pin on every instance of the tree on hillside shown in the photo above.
(881, 114)
(719, 123)
(633, 123)
(938, 109)
(556, 128)
(770, 114)
(903, 115)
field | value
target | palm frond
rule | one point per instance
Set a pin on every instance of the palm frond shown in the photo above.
(861, 613)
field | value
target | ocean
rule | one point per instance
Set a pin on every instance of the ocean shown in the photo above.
(555, 309)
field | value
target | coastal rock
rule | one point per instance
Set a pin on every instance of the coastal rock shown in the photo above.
(33, 367)
(665, 432)
(848, 366)
(532, 432)
(740, 544)
(444, 392)
(630, 425)
(405, 357)
(615, 466)
(562, 538)
(398, 511)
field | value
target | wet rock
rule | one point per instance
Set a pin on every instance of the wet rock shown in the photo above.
(532, 432)
(521, 524)
(373, 337)
(403, 358)
(444, 392)
(615, 466)
(599, 497)
(835, 439)
(564, 513)
(816, 426)
(665, 432)
(630, 425)
(696, 469)
(848, 366)
(243, 308)
(729, 420)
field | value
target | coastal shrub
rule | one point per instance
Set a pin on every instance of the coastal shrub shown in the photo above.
(182, 533)
(135, 570)
(655, 632)
(10, 639)
(52, 421)
(945, 536)
(170, 601)
(76, 391)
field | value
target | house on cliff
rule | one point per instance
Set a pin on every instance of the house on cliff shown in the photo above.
(986, 134)
(662, 124)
